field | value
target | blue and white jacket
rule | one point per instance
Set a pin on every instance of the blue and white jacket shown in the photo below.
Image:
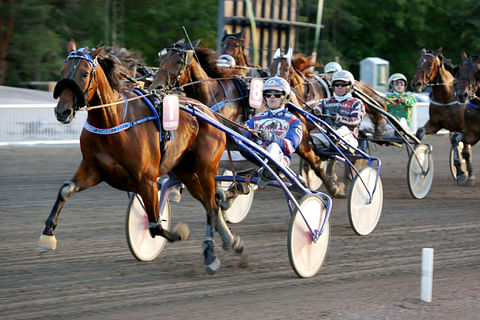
(285, 126)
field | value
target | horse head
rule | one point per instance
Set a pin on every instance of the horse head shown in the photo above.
(282, 64)
(428, 66)
(233, 45)
(173, 63)
(78, 84)
(467, 82)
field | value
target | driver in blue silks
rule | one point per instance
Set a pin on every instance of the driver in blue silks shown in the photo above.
(279, 128)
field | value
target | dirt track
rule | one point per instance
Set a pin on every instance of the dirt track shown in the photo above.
(92, 274)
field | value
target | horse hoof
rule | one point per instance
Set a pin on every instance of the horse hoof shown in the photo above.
(471, 181)
(213, 267)
(237, 245)
(46, 243)
(243, 261)
(462, 179)
(182, 230)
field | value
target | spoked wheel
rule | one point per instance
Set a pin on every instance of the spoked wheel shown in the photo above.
(364, 213)
(140, 242)
(420, 171)
(306, 257)
(313, 181)
(240, 207)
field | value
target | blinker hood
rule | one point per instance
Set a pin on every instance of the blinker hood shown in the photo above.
(70, 84)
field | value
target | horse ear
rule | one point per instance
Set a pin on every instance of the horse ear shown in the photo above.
(224, 33)
(195, 43)
(72, 46)
(240, 34)
(438, 52)
(464, 56)
(277, 54)
(96, 52)
(424, 51)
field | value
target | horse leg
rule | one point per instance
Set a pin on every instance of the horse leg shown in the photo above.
(467, 155)
(458, 146)
(149, 193)
(84, 178)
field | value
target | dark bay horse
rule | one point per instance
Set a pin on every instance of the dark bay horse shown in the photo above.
(122, 144)
(233, 44)
(467, 89)
(218, 88)
(445, 111)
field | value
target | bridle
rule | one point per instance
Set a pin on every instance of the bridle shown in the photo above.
(427, 77)
(471, 88)
(238, 45)
(187, 58)
(84, 95)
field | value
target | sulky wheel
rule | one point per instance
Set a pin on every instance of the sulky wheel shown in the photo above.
(140, 242)
(313, 181)
(240, 207)
(306, 257)
(364, 214)
(420, 171)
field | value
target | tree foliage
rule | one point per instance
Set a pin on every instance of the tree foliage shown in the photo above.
(395, 30)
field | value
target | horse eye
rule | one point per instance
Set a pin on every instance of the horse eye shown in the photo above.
(85, 74)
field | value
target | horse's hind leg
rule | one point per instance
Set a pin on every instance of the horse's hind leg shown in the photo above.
(458, 147)
(467, 155)
(84, 178)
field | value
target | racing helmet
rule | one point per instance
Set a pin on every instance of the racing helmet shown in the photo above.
(343, 75)
(332, 67)
(395, 77)
(277, 84)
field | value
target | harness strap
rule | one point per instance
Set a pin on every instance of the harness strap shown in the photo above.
(473, 105)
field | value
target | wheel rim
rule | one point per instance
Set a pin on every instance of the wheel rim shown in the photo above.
(420, 172)
(140, 242)
(363, 213)
(306, 257)
(240, 207)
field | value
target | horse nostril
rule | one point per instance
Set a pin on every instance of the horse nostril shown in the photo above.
(66, 114)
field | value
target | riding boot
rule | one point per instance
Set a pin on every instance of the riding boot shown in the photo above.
(264, 178)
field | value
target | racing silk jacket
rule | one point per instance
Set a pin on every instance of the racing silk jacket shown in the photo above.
(285, 126)
(351, 111)
(401, 110)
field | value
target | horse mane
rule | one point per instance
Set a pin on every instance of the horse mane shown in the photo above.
(303, 63)
(109, 68)
(208, 60)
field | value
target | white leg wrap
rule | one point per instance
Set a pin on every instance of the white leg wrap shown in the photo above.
(46, 243)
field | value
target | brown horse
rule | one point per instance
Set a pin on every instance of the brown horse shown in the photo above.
(467, 88)
(233, 44)
(434, 70)
(201, 79)
(133, 159)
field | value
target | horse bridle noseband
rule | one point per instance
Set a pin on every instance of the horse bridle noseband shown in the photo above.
(187, 56)
(87, 94)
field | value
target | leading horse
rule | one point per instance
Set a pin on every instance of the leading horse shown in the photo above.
(123, 144)
(467, 89)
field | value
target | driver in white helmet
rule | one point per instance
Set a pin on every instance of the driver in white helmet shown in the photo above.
(342, 112)
(330, 69)
(280, 130)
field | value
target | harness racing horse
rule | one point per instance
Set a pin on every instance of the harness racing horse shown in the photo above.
(124, 145)
(201, 79)
(467, 89)
(234, 45)
(444, 110)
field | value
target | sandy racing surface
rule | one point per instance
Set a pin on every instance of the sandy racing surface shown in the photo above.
(92, 274)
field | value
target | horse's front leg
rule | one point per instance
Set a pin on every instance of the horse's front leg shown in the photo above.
(458, 152)
(84, 178)
(149, 194)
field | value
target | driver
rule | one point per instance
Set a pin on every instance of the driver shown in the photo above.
(280, 130)
(343, 113)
